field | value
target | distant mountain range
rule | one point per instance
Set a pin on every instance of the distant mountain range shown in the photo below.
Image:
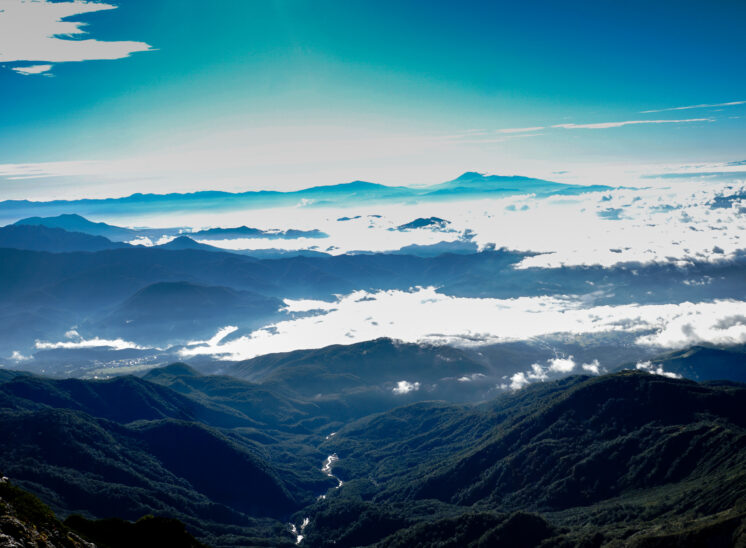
(469, 184)
(74, 223)
(72, 232)
(247, 232)
(52, 239)
(430, 222)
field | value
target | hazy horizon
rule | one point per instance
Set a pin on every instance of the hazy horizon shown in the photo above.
(109, 100)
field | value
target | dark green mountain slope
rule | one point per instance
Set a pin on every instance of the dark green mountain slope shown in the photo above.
(623, 459)
(129, 447)
(26, 521)
(339, 367)
(481, 529)
(599, 439)
(181, 470)
(262, 404)
(146, 532)
(625, 454)
(347, 382)
(122, 399)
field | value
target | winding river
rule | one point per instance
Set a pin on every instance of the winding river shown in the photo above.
(327, 469)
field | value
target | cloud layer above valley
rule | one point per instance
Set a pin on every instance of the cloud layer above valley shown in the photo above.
(668, 223)
(424, 315)
(678, 222)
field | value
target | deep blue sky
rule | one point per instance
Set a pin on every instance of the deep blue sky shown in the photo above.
(282, 94)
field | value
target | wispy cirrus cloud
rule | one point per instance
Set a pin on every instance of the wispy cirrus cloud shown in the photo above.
(598, 125)
(688, 107)
(607, 125)
(521, 129)
(38, 32)
(38, 170)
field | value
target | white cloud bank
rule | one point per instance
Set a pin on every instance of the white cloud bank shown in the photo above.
(36, 31)
(662, 222)
(423, 315)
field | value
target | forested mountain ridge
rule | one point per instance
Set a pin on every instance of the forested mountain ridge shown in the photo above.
(626, 458)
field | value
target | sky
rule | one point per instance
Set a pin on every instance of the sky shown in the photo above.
(107, 99)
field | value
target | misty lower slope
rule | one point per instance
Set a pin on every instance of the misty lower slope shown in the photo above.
(253, 401)
(164, 311)
(157, 299)
(705, 363)
(626, 458)
(319, 390)
(367, 371)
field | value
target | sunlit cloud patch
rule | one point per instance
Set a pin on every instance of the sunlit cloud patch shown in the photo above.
(424, 315)
(648, 367)
(405, 387)
(75, 341)
(554, 368)
(95, 342)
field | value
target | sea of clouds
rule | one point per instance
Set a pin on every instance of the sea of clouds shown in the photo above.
(424, 315)
(680, 222)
